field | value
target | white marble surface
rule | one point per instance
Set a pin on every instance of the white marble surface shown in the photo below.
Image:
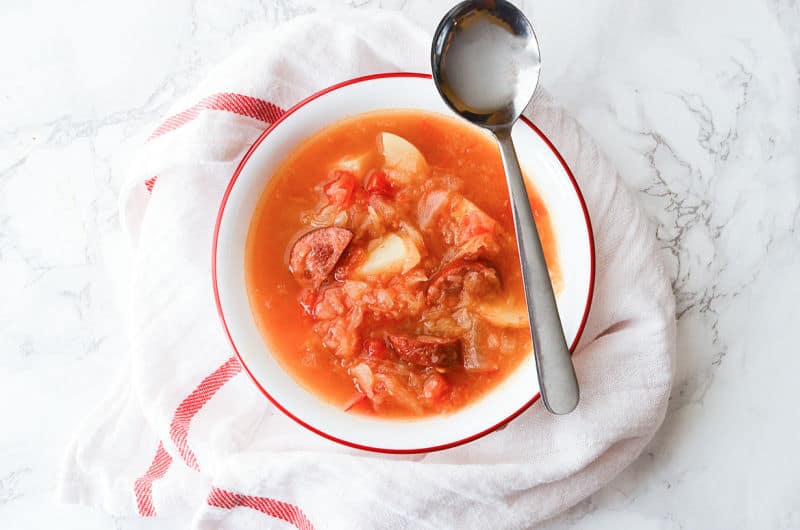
(697, 102)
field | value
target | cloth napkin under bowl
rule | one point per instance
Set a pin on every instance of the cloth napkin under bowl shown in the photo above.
(185, 433)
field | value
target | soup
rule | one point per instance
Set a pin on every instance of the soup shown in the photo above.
(382, 269)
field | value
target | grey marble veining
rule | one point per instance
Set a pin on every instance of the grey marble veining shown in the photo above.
(696, 102)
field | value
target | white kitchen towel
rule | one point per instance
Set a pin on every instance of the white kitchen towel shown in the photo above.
(186, 434)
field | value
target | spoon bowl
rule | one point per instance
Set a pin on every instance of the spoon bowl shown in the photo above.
(469, 40)
(485, 61)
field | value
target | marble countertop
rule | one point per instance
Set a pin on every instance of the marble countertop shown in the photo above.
(696, 102)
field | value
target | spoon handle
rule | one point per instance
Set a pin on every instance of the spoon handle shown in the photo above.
(557, 381)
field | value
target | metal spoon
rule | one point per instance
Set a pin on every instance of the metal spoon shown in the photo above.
(486, 62)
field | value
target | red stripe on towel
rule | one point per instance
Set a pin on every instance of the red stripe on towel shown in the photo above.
(179, 428)
(284, 511)
(143, 487)
(149, 183)
(179, 431)
(236, 103)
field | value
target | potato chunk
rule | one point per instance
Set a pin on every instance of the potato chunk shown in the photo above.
(361, 164)
(402, 161)
(391, 254)
(504, 314)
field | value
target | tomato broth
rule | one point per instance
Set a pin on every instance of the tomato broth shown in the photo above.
(382, 269)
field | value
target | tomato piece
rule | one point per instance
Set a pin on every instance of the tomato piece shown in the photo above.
(375, 349)
(378, 183)
(340, 190)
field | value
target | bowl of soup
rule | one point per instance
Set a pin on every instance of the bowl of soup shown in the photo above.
(366, 270)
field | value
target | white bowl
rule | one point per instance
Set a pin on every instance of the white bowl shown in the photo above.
(558, 190)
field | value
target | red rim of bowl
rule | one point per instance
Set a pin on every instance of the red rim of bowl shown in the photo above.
(280, 407)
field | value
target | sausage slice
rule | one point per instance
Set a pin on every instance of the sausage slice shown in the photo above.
(460, 276)
(315, 254)
(424, 350)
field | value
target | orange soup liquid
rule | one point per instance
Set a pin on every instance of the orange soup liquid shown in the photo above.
(452, 149)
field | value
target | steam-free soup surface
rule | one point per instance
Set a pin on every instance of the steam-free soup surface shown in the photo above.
(382, 269)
